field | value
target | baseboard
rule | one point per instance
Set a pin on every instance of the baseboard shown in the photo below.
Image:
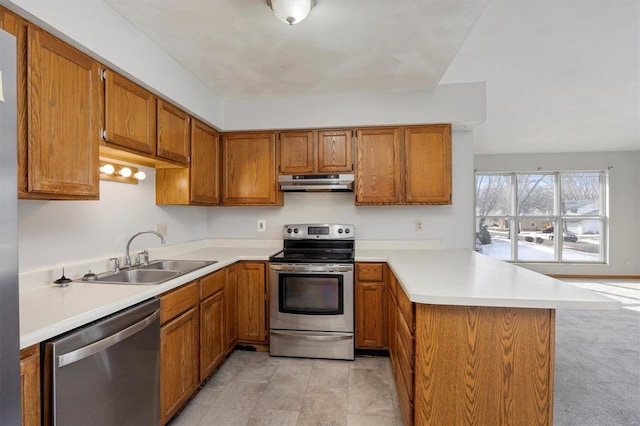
(596, 277)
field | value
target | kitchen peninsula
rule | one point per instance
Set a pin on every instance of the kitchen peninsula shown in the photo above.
(484, 329)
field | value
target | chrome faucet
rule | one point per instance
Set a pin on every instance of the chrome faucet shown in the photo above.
(127, 258)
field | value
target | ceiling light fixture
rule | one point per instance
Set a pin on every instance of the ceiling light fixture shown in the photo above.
(291, 11)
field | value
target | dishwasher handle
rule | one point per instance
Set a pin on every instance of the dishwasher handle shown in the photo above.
(100, 345)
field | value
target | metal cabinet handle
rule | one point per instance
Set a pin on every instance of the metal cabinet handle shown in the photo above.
(100, 345)
(312, 337)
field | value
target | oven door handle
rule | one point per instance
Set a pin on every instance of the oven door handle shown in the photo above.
(333, 337)
(311, 268)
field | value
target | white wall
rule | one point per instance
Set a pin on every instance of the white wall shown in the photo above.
(55, 232)
(624, 202)
(463, 104)
(452, 224)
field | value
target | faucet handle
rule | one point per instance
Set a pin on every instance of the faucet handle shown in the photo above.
(116, 263)
(145, 257)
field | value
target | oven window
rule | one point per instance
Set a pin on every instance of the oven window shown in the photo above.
(306, 294)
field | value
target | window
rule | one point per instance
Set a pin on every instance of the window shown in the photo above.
(541, 217)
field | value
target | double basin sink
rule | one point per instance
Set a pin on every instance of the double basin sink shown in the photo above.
(156, 272)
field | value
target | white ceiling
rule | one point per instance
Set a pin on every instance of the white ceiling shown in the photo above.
(562, 75)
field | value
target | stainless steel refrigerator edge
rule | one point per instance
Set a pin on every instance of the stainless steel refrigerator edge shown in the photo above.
(9, 316)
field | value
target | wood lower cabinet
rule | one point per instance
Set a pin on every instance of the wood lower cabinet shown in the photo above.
(179, 348)
(252, 302)
(198, 184)
(30, 385)
(370, 302)
(174, 133)
(130, 115)
(484, 365)
(248, 169)
(59, 115)
(231, 307)
(403, 165)
(212, 322)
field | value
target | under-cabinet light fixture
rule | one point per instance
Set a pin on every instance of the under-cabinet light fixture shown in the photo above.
(291, 11)
(118, 172)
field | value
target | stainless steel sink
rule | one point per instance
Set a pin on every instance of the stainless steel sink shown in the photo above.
(155, 272)
(177, 265)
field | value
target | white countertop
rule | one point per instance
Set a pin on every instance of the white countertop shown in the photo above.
(448, 277)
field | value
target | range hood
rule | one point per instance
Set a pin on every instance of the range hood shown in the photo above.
(322, 183)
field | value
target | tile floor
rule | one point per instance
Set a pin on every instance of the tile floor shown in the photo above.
(252, 388)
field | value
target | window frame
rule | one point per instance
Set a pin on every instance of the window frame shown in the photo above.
(557, 218)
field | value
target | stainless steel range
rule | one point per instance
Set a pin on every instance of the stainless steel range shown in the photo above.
(312, 292)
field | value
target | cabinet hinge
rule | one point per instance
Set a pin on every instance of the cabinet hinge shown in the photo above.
(103, 134)
(103, 74)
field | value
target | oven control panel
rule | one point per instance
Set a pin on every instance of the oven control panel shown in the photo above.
(321, 231)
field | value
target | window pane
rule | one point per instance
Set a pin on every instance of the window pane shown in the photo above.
(581, 240)
(493, 195)
(580, 193)
(492, 238)
(534, 245)
(536, 194)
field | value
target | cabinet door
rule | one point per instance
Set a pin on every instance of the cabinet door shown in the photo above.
(30, 385)
(130, 115)
(296, 152)
(249, 169)
(231, 307)
(64, 118)
(378, 171)
(212, 334)
(334, 151)
(174, 131)
(427, 159)
(205, 146)
(370, 315)
(251, 302)
(178, 362)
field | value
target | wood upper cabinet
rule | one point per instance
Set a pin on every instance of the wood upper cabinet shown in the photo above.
(404, 165)
(248, 162)
(378, 166)
(370, 306)
(130, 115)
(59, 115)
(30, 385)
(297, 152)
(252, 293)
(179, 343)
(318, 151)
(231, 307)
(334, 151)
(174, 130)
(427, 164)
(198, 184)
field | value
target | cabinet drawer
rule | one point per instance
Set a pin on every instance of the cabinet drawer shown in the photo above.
(407, 309)
(405, 339)
(406, 406)
(405, 369)
(178, 301)
(211, 284)
(369, 271)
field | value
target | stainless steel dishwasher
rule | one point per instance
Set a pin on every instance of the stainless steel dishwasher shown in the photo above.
(106, 373)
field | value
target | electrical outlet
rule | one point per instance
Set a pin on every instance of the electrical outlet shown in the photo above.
(262, 225)
(627, 264)
(161, 228)
(418, 224)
